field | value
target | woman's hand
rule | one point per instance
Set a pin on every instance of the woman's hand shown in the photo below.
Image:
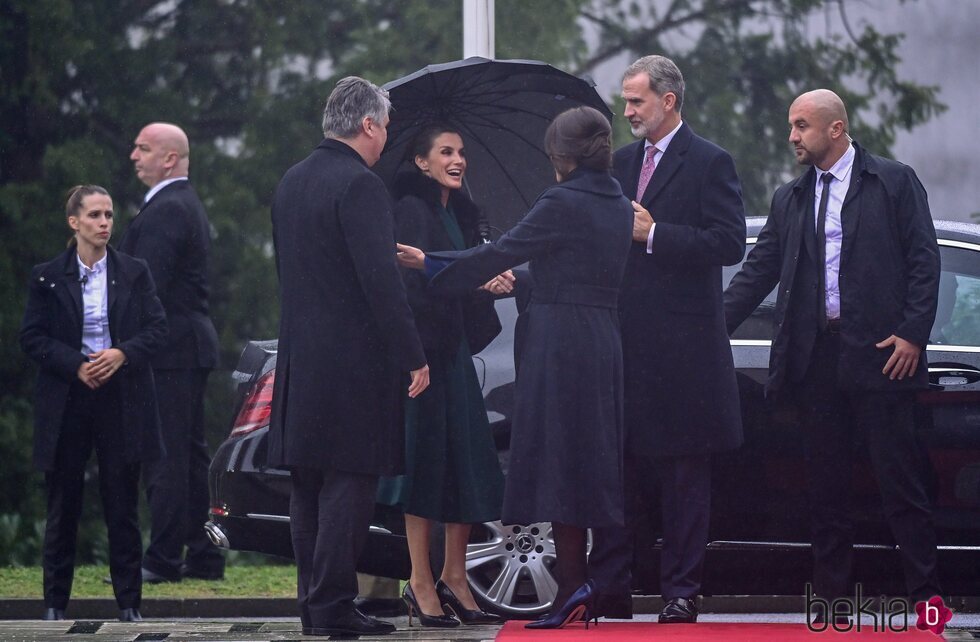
(503, 283)
(410, 257)
(105, 363)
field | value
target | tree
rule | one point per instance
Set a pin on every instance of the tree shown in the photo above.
(247, 78)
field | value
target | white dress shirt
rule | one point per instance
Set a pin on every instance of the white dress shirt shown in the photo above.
(841, 171)
(159, 186)
(661, 146)
(95, 306)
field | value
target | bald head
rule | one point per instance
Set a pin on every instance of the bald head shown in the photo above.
(818, 128)
(161, 151)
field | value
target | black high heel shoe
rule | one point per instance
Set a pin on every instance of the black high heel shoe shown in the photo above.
(441, 621)
(580, 606)
(451, 604)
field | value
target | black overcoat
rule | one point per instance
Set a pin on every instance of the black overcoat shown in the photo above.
(51, 335)
(889, 274)
(171, 233)
(681, 396)
(346, 333)
(442, 321)
(566, 457)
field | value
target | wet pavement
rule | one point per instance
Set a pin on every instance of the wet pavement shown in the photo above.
(963, 627)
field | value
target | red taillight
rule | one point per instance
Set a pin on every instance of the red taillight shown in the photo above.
(257, 407)
(219, 511)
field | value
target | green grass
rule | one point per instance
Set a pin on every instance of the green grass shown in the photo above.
(240, 581)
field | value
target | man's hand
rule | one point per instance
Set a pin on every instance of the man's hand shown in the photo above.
(104, 363)
(904, 360)
(410, 257)
(503, 283)
(642, 222)
(420, 381)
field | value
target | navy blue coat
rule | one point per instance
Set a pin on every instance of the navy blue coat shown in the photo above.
(51, 335)
(681, 396)
(346, 333)
(171, 233)
(889, 275)
(566, 457)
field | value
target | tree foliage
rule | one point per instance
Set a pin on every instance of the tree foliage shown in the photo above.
(247, 78)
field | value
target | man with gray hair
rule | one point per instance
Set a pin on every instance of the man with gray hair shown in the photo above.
(347, 339)
(680, 397)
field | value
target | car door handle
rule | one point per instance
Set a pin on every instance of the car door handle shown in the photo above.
(953, 376)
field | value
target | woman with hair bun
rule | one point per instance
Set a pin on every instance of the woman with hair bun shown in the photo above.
(92, 322)
(566, 462)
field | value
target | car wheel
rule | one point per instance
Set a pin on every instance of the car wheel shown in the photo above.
(510, 568)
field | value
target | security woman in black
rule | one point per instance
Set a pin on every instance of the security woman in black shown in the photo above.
(92, 322)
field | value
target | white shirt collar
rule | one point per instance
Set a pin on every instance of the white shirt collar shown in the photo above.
(159, 186)
(841, 170)
(98, 268)
(662, 144)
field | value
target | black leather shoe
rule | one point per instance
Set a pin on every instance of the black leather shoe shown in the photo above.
(380, 606)
(194, 574)
(53, 614)
(440, 621)
(452, 606)
(679, 610)
(130, 615)
(149, 577)
(619, 607)
(354, 623)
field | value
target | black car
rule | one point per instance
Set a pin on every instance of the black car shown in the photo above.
(759, 531)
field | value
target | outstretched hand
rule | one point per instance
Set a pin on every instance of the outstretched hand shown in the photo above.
(410, 257)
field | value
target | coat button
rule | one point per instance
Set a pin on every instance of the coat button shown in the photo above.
(52, 285)
(42, 278)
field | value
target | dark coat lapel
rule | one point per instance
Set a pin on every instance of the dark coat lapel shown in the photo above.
(633, 172)
(804, 194)
(851, 208)
(670, 162)
(119, 285)
(72, 285)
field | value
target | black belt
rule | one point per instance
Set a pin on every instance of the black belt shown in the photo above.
(833, 326)
(590, 295)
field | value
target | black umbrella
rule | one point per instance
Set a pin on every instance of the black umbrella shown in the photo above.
(502, 108)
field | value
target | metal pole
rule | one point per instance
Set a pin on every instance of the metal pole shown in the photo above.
(478, 34)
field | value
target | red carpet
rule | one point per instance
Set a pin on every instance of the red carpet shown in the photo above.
(716, 631)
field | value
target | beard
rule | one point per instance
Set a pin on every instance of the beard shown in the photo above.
(639, 131)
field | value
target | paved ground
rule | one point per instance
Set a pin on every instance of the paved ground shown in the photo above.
(964, 627)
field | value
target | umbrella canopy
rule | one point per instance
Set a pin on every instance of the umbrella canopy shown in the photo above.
(502, 109)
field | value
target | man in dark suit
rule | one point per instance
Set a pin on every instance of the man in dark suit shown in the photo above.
(171, 234)
(852, 246)
(681, 400)
(347, 339)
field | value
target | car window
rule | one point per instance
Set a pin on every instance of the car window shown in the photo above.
(759, 324)
(958, 313)
(957, 316)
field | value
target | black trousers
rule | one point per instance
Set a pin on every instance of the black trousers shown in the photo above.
(177, 485)
(92, 420)
(685, 506)
(329, 516)
(829, 418)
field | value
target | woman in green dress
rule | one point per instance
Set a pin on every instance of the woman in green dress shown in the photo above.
(452, 472)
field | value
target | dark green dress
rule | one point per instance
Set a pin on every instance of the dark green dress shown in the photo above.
(452, 471)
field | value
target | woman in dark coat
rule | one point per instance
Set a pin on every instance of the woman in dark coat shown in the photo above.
(566, 462)
(92, 322)
(453, 475)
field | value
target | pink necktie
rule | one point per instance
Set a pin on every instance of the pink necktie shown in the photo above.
(646, 172)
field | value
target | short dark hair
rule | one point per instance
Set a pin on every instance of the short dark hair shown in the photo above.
(422, 144)
(580, 136)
